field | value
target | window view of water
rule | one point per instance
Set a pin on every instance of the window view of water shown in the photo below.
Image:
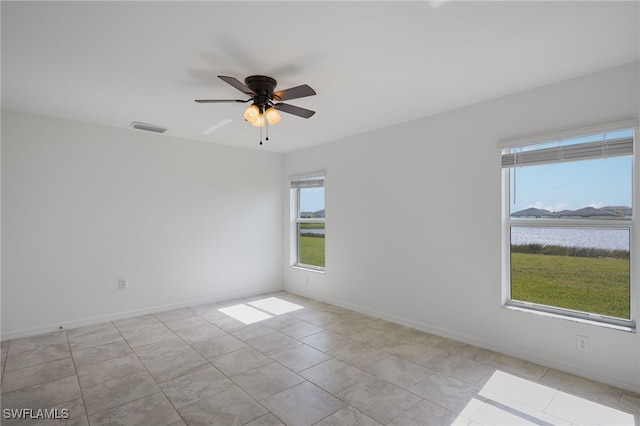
(610, 239)
(312, 231)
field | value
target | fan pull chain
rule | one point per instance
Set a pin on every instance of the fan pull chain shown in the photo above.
(263, 117)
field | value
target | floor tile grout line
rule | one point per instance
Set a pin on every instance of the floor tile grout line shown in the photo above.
(143, 365)
(160, 387)
(4, 363)
(417, 395)
(75, 368)
(160, 390)
(211, 364)
(41, 364)
(322, 326)
(410, 408)
(81, 387)
(275, 361)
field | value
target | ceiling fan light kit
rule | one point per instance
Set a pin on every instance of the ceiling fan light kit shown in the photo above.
(264, 111)
(254, 115)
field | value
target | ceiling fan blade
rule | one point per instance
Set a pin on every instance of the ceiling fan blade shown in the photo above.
(237, 84)
(300, 112)
(293, 93)
(220, 101)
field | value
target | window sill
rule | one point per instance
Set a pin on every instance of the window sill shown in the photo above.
(307, 268)
(629, 329)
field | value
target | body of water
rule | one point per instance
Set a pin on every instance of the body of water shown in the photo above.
(611, 239)
(312, 231)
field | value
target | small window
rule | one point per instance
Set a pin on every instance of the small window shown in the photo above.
(568, 226)
(308, 224)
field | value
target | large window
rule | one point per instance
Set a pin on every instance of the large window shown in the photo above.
(568, 226)
(308, 226)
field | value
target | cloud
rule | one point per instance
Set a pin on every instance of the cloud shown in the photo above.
(551, 208)
(597, 205)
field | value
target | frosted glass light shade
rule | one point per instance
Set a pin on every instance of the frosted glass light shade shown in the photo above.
(252, 113)
(259, 121)
(273, 116)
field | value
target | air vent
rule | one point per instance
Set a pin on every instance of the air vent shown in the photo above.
(148, 127)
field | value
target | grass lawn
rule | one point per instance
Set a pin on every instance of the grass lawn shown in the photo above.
(312, 226)
(596, 285)
(312, 251)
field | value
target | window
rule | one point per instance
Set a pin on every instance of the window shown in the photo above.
(308, 214)
(568, 226)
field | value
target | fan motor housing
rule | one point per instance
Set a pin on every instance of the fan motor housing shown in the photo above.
(262, 85)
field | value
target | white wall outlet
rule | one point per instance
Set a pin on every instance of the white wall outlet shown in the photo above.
(306, 281)
(122, 283)
(582, 343)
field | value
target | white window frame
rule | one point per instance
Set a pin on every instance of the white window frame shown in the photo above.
(295, 182)
(630, 224)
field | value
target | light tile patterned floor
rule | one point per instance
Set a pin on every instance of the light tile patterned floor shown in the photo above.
(316, 365)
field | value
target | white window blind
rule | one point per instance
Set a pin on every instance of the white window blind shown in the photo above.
(311, 182)
(566, 134)
(580, 151)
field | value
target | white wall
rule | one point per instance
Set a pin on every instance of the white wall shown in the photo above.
(413, 217)
(83, 205)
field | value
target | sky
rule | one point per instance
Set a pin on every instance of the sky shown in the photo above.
(311, 199)
(573, 185)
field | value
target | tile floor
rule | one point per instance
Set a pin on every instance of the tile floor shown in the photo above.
(296, 362)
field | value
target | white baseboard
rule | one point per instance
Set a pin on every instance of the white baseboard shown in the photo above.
(449, 334)
(49, 328)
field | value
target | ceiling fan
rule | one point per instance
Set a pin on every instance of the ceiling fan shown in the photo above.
(266, 102)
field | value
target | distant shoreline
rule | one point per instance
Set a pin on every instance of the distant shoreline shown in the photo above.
(607, 212)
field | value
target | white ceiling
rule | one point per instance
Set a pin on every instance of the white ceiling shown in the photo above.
(372, 64)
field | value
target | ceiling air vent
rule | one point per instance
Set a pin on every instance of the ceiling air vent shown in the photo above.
(148, 127)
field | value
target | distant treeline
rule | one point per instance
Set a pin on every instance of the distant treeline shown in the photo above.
(310, 235)
(569, 251)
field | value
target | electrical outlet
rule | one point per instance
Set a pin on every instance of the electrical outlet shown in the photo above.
(122, 283)
(582, 343)
(306, 280)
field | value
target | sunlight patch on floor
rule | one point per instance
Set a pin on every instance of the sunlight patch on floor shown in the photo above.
(275, 305)
(509, 400)
(245, 314)
(266, 308)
